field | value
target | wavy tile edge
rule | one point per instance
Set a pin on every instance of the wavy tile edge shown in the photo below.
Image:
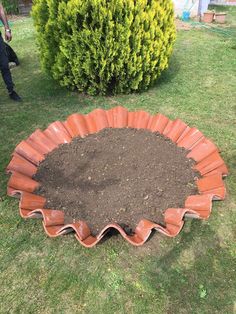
(29, 153)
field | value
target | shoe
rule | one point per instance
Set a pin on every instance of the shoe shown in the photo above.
(14, 96)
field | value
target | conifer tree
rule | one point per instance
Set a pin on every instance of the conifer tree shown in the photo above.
(105, 46)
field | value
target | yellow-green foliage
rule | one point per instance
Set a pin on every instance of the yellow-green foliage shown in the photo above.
(105, 46)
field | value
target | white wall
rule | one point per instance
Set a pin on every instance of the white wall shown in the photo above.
(199, 6)
(203, 6)
(179, 7)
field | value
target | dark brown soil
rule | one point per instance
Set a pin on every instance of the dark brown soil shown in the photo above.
(116, 175)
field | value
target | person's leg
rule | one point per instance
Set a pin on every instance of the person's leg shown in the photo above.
(4, 67)
(6, 74)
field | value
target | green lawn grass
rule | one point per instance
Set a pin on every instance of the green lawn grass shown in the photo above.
(193, 273)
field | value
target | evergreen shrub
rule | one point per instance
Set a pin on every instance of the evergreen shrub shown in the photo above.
(105, 46)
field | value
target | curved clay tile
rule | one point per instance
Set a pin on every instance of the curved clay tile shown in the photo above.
(202, 150)
(177, 129)
(117, 117)
(190, 139)
(25, 150)
(100, 118)
(57, 132)
(77, 125)
(212, 164)
(40, 142)
(29, 153)
(158, 123)
(21, 165)
(141, 120)
(22, 182)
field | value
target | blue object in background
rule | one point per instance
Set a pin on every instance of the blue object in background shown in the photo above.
(189, 4)
(186, 15)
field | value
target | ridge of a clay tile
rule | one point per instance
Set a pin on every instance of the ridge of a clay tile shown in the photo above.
(30, 152)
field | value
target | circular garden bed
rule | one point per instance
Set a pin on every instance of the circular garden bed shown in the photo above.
(116, 169)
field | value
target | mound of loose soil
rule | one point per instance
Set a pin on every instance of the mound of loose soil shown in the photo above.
(116, 175)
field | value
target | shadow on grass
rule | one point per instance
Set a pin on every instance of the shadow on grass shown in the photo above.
(38, 81)
(195, 282)
(43, 87)
(169, 74)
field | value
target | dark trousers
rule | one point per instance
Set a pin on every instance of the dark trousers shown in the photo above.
(4, 67)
